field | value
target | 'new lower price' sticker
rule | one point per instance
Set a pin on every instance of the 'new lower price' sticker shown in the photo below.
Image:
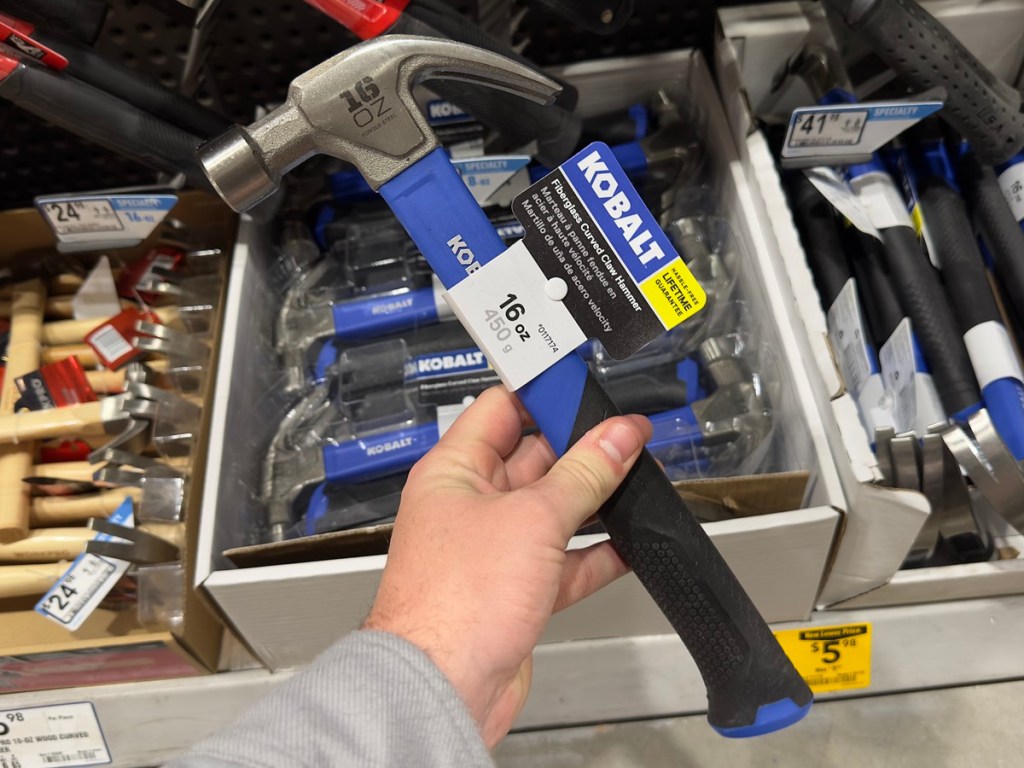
(830, 658)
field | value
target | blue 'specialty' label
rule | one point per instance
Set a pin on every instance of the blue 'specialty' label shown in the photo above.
(104, 220)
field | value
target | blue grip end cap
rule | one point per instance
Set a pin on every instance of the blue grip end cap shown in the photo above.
(770, 718)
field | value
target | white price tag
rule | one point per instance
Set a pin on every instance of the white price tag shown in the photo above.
(87, 581)
(1011, 181)
(67, 735)
(896, 359)
(837, 191)
(516, 316)
(846, 329)
(104, 220)
(819, 127)
(851, 130)
(881, 200)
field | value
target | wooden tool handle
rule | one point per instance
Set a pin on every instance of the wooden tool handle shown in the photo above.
(47, 545)
(26, 580)
(86, 355)
(23, 352)
(52, 422)
(77, 471)
(73, 331)
(68, 510)
(105, 382)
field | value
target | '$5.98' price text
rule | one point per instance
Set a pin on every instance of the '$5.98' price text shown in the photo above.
(503, 322)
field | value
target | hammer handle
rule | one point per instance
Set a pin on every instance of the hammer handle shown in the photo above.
(926, 55)
(27, 302)
(73, 331)
(752, 687)
(81, 19)
(28, 579)
(72, 510)
(52, 422)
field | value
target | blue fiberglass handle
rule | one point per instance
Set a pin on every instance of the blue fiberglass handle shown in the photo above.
(368, 318)
(379, 455)
(752, 687)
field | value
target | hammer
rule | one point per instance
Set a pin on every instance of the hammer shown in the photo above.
(752, 686)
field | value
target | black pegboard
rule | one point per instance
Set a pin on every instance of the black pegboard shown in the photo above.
(257, 48)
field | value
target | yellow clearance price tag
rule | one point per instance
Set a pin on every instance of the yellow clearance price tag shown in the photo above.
(830, 658)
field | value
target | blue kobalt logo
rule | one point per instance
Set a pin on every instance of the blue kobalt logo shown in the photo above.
(616, 207)
(440, 112)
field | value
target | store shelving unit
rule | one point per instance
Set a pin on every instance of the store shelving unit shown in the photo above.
(914, 647)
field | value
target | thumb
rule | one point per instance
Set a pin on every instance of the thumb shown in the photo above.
(591, 470)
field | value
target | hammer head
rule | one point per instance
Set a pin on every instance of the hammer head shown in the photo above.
(357, 106)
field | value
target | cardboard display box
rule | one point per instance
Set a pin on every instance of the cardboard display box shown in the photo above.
(287, 613)
(112, 646)
(880, 523)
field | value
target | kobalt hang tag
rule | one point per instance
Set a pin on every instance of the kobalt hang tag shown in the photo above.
(848, 133)
(586, 224)
(104, 220)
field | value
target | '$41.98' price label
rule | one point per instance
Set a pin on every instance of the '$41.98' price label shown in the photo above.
(830, 658)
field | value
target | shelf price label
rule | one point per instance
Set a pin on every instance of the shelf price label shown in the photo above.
(90, 221)
(840, 134)
(830, 658)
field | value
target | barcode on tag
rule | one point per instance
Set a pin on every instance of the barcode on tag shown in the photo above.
(59, 758)
(110, 344)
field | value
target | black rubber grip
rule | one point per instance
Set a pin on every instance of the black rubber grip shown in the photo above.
(519, 121)
(650, 526)
(926, 55)
(999, 229)
(647, 393)
(109, 122)
(874, 284)
(819, 232)
(138, 90)
(924, 301)
(81, 19)
(956, 250)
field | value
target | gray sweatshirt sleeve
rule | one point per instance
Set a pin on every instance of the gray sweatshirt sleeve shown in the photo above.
(372, 699)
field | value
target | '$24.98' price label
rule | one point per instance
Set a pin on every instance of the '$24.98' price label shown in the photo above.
(830, 658)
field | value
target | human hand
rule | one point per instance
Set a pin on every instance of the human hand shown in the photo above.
(477, 562)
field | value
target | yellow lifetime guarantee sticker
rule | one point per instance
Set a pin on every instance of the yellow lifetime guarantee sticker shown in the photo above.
(830, 658)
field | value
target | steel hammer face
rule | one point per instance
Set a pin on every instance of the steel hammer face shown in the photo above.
(357, 106)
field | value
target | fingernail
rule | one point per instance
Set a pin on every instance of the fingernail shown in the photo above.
(619, 441)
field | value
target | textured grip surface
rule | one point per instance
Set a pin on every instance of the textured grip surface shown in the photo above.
(923, 300)
(999, 230)
(109, 122)
(819, 231)
(139, 90)
(82, 19)
(739, 659)
(874, 284)
(926, 55)
(963, 270)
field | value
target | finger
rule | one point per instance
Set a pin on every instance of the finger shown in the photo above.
(590, 471)
(529, 460)
(586, 571)
(494, 420)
